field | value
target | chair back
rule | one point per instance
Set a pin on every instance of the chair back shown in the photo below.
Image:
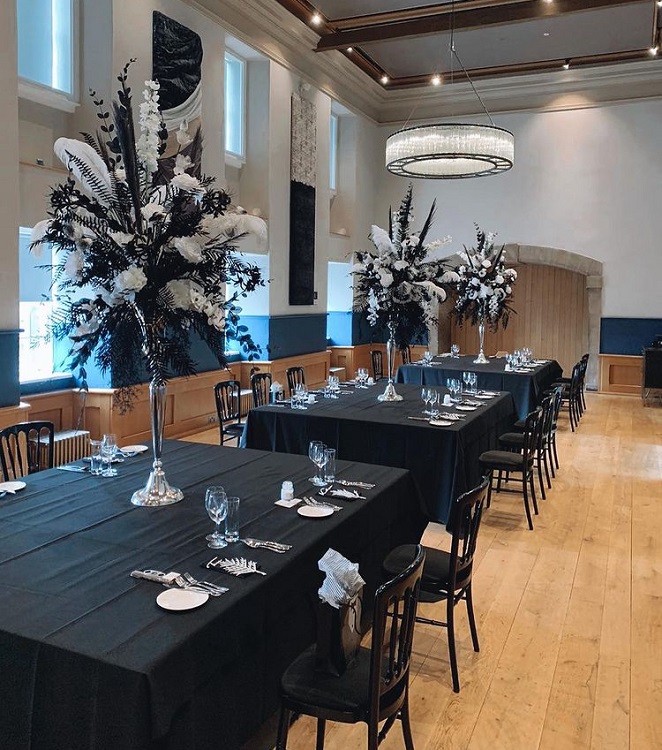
(392, 633)
(576, 379)
(548, 405)
(405, 353)
(295, 376)
(228, 402)
(26, 448)
(464, 523)
(261, 388)
(557, 399)
(532, 431)
(377, 364)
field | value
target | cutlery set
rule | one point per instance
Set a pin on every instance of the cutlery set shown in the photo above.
(236, 566)
(180, 580)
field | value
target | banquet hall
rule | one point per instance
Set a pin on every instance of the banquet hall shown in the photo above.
(290, 106)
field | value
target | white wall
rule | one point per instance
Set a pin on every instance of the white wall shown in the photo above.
(588, 181)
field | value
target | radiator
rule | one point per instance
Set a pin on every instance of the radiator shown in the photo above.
(69, 445)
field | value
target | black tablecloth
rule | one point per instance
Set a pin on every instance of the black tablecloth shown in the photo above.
(526, 388)
(443, 460)
(87, 658)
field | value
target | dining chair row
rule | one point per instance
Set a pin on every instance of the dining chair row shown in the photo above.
(375, 688)
(377, 361)
(574, 392)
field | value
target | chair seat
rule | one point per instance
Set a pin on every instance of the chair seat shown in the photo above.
(348, 694)
(512, 440)
(236, 430)
(519, 425)
(503, 460)
(436, 568)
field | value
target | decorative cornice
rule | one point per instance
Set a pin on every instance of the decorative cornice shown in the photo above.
(276, 33)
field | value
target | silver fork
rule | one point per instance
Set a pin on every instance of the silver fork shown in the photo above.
(205, 584)
(320, 504)
(182, 583)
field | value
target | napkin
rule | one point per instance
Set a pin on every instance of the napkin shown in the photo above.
(276, 387)
(342, 581)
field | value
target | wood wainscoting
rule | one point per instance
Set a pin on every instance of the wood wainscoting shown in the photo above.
(316, 368)
(353, 357)
(552, 317)
(621, 373)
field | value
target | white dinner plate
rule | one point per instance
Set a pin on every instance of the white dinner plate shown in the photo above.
(134, 448)
(466, 408)
(179, 600)
(12, 486)
(314, 511)
(441, 422)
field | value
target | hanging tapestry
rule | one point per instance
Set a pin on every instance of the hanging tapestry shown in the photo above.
(177, 66)
(303, 158)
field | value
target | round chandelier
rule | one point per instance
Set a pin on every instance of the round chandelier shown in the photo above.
(450, 151)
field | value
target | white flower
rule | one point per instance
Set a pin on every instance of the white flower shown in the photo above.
(400, 265)
(248, 224)
(121, 238)
(183, 138)
(381, 240)
(182, 163)
(120, 174)
(508, 289)
(147, 146)
(385, 278)
(181, 290)
(73, 265)
(188, 248)
(450, 277)
(486, 264)
(482, 273)
(499, 279)
(186, 182)
(130, 281)
(151, 210)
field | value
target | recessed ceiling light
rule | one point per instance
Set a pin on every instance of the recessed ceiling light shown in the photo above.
(384, 80)
(659, 3)
(566, 65)
(546, 33)
(436, 80)
(350, 49)
(316, 20)
(653, 51)
(549, 1)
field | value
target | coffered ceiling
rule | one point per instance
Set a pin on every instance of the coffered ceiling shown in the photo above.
(402, 44)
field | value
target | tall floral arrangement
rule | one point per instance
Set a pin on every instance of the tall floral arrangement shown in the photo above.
(139, 266)
(483, 284)
(397, 282)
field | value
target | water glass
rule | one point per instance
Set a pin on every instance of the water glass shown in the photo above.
(473, 382)
(108, 451)
(329, 465)
(466, 377)
(216, 505)
(96, 461)
(232, 520)
(455, 351)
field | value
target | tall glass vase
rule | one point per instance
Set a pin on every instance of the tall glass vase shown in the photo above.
(390, 394)
(481, 359)
(157, 491)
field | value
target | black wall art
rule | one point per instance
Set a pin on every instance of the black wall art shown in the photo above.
(302, 201)
(177, 66)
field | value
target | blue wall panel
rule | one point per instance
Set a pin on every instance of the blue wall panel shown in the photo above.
(9, 388)
(290, 335)
(628, 335)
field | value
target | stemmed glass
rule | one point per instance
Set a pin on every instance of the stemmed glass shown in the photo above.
(316, 453)
(466, 377)
(425, 397)
(473, 382)
(216, 505)
(455, 388)
(455, 351)
(434, 399)
(108, 451)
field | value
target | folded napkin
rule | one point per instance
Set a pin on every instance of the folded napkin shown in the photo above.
(342, 581)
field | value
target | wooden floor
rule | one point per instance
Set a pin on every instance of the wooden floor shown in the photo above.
(569, 615)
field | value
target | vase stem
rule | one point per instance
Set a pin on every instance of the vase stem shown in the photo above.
(157, 491)
(390, 393)
(481, 359)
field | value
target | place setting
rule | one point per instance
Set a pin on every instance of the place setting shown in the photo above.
(11, 488)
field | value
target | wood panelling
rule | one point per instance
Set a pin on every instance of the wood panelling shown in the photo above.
(62, 408)
(353, 357)
(10, 415)
(620, 373)
(316, 366)
(551, 317)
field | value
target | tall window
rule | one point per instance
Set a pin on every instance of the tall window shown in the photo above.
(35, 311)
(45, 43)
(235, 72)
(333, 153)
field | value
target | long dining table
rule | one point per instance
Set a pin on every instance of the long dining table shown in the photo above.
(525, 384)
(443, 459)
(89, 661)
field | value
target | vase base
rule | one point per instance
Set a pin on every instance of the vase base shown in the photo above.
(389, 394)
(156, 492)
(481, 359)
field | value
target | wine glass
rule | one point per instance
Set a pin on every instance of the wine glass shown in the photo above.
(473, 382)
(434, 399)
(216, 505)
(317, 455)
(455, 351)
(465, 379)
(108, 451)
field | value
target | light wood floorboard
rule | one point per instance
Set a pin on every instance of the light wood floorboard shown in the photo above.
(569, 615)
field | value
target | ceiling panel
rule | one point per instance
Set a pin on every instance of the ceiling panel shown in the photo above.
(351, 8)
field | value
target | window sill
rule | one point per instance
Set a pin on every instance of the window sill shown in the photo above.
(35, 92)
(235, 161)
(56, 382)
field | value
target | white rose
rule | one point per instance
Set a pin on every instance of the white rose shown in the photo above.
(120, 238)
(499, 279)
(385, 278)
(181, 290)
(183, 137)
(150, 210)
(400, 265)
(486, 264)
(450, 277)
(130, 281)
(182, 163)
(186, 182)
(188, 248)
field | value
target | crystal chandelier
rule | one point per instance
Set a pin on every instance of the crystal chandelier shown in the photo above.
(451, 151)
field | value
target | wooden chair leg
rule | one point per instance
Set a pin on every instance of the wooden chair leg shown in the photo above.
(540, 481)
(533, 493)
(373, 734)
(556, 455)
(489, 490)
(549, 461)
(321, 726)
(526, 502)
(472, 619)
(283, 728)
(450, 624)
(406, 724)
(546, 465)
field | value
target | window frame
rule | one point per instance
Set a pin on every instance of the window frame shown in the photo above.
(49, 96)
(231, 157)
(334, 142)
